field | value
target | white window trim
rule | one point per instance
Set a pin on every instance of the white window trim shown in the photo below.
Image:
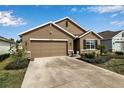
(122, 34)
(90, 39)
(90, 44)
(88, 49)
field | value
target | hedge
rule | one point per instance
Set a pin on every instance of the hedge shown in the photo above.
(18, 64)
(4, 56)
(100, 59)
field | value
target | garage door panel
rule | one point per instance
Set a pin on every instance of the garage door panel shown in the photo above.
(48, 48)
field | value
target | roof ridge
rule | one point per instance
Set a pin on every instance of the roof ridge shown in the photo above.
(71, 21)
(110, 31)
(64, 30)
(53, 22)
(50, 22)
(91, 32)
(109, 34)
(34, 28)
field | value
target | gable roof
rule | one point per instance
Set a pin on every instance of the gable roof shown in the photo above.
(6, 39)
(32, 29)
(109, 34)
(67, 18)
(3, 38)
(29, 30)
(90, 32)
(64, 30)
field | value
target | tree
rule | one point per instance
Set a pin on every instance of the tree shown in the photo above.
(19, 41)
(20, 52)
(101, 48)
(16, 51)
(12, 40)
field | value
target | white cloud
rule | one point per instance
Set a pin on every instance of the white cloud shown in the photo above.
(82, 9)
(74, 9)
(7, 19)
(106, 9)
(118, 23)
(114, 15)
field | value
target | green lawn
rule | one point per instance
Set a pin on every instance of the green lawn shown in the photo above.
(115, 65)
(10, 78)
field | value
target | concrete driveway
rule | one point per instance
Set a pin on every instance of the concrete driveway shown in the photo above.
(67, 72)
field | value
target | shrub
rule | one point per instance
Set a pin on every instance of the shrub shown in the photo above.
(89, 60)
(18, 64)
(4, 56)
(109, 50)
(90, 55)
(82, 55)
(102, 49)
(119, 53)
(17, 51)
(100, 59)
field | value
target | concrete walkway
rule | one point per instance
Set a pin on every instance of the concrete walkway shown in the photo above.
(67, 72)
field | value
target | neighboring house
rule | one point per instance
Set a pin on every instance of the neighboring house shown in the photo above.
(59, 38)
(5, 45)
(113, 40)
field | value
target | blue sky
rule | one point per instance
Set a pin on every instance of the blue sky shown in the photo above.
(15, 19)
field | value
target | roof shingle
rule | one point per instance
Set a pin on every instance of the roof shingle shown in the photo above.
(109, 34)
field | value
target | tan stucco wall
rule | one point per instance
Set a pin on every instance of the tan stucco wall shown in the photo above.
(25, 38)
(44, 33)
(71, 27)
(88, 36)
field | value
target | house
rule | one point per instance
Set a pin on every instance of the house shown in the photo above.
(5, 45)
(59, 38)
(113, 40)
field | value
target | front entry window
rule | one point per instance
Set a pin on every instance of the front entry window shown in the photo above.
(90, 44)
(123, 34)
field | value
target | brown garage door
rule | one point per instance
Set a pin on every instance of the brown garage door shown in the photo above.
(48, 48)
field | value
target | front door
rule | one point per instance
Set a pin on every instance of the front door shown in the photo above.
(76, 45)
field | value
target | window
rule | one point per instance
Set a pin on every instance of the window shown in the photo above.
(66, 23)
(123, 34)
(90, 44)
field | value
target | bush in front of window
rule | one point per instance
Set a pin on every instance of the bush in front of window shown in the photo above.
(102, 49)
(98, 60)
(4, 56)
(20, 63)
(119, 53)
(89, 55)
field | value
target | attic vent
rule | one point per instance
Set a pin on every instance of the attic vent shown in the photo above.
(66, 23)
(50, 32)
